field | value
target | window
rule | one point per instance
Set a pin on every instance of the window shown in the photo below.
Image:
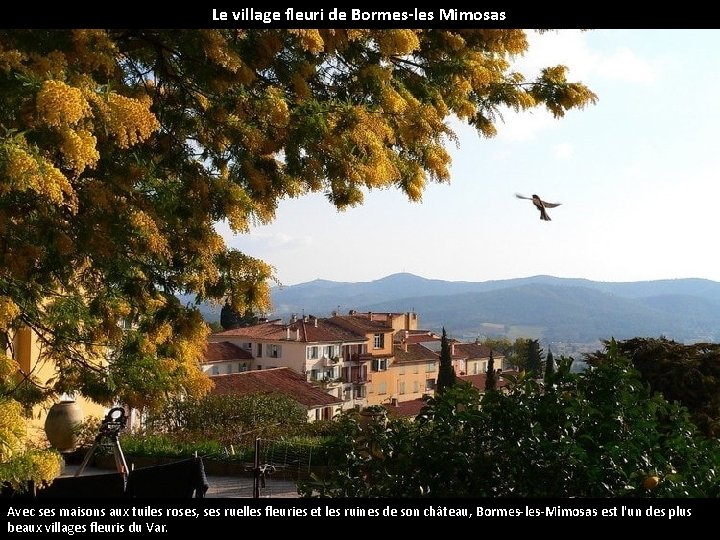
(330, 351)
(401, 387)
(401, 370)
(259, 350)
(379, 341)
(273, 351)
(416, 369)
(312, 353)
(382, 388)
(430, 367)
(430, 384)
(247, 346)
(242, 367)
(215, 370)
(380, 364)
(416, 387)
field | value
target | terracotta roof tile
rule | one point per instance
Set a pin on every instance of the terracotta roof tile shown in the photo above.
(415, 353)
(478, 381)
(359, 323)
(309, 330)
(405, 409)
(283, 380)
(225, 351)
(474, 350)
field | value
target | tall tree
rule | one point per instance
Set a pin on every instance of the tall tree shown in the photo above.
(549, 366)
(491, 376)
(688, 374)
(534, 358)
(446, 374)
(121, 149)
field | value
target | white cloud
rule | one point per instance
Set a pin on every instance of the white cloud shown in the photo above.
(625, 65)
(524, 125)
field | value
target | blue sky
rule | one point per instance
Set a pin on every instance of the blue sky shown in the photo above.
(636, 175)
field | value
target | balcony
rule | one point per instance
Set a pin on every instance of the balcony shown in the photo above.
(329, 382)
(330, 361)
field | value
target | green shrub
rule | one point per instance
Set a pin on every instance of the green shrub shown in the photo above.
(599, 433)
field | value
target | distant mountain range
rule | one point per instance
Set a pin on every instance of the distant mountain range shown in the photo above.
(546, 307)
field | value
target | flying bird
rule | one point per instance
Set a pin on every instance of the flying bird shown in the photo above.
(540, 205)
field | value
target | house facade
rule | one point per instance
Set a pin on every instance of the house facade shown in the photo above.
(327, 355)
(361, 359)
(26, 350)
(318, 404)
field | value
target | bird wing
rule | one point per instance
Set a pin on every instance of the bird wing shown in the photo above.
(550, 205)
(523, 197)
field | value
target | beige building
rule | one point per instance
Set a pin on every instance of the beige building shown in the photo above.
(26, 350)
(326, 354)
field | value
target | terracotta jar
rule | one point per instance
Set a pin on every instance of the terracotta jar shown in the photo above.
(61, 425)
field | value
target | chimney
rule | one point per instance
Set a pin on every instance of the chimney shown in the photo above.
(394, 401)
(287, 333)
(452, 349)
(297, 334)
(315, 320)
(404, 342)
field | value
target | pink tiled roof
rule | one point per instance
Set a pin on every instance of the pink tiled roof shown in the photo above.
(359, 323)
(264, 381)
(260, 330)
(225, 351)
(474, 350)
(478, 381)
(405, 409)
(414, 337)
(306, 330)
(415, 353)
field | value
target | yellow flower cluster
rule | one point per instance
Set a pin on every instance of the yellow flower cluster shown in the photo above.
(310, 39)
(415, 186)
(397, 42)
(57, 104)
(215, 46)
(79, 149)
(46, 465)
(276, 108)
(392, 102)
(52, 65)
(29, 172)
(11, 59)
(94, 49)
(9, 311)
(148, 230)
(129, 119)
(437, 160)
(12, 429)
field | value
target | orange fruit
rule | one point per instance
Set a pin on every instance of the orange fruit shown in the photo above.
(651, 482)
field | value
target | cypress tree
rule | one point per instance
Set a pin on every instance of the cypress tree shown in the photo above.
(534, 360)
(491, 377)
(446, 375)
(549, 366)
